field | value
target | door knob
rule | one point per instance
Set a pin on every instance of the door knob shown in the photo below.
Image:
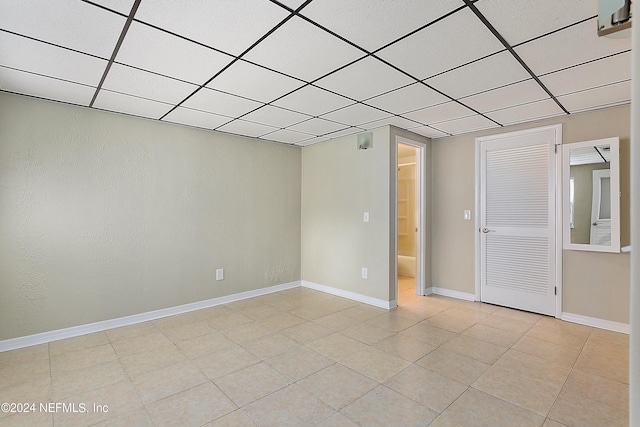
(485, 230)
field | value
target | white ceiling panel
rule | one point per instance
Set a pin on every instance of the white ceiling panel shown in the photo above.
(196, 118)
(454, 41)
(592, 74)
(364, 79)
(355, 114)
(229, 25)
(251, 81)
(68, 23)
(243, 127)
(221, 103)
(354, 19)
(286, 136)
(618, 93)
(466, 124)
(44, 87)
(293, 4)
(157, 51)
(518, 21)
(147, 85)
(289, 50)
(121, 103)
(526, 112)
(275, 116)
(497, 70)
(508, 96)
(408, 98)
(313, 101)
(400, 122)
(569, 47)
(122, 6)
(439, 113)
(317, 126)
(429, 132)
(28, 55)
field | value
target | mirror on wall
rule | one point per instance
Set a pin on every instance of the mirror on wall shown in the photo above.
(591, 171)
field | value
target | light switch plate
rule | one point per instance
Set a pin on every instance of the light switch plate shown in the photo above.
(365, 273)
(467, 214)
(220, 274)
(366, 217)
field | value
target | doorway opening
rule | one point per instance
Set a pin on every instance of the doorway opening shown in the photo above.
(410, 220)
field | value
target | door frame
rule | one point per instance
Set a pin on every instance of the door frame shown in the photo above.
(558, 214)
(421, 202)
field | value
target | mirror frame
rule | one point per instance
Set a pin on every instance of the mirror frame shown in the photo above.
(614, 143)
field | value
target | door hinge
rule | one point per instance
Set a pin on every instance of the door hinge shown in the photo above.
(555, 148)
(555, 290)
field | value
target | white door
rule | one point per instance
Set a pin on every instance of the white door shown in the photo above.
(517, 219)
(601, 208)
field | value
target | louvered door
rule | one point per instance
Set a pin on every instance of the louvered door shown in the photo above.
(517, 217)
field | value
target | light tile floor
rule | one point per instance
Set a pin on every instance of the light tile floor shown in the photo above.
(305, 358)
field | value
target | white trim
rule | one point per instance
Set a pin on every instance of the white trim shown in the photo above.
(350, 295)
(623, 328)
(450, 293)
(74, 331)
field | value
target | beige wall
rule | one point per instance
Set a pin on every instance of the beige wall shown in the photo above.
(105, 215)
(339, 184)
(594, 284)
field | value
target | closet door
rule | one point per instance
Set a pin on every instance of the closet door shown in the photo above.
(518, 220)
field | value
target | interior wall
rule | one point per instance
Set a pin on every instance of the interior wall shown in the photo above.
(106, 215)
(339, 184)
(594, 284)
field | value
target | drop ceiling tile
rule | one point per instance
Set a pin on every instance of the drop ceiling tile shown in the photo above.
(429, 132)
(617, 93)
(569, 47)
(519, 21)
(317, 126)
(213, 101)
(195, 118)
(286, 136)
(466, 124)
(289, 50)
(592, 74)
(122, 6)
(356, 19)
(364, 79)
(68, 23)
(313, 101)
(526, 112)
(243, 127)
(41, 58)
(293, 4)
(157, 51)
(275, 116)
(146, 85)
(439, 113)
(507, 96)
(408, 98)
(229, 25)
(121, 103)
(497, 70)
(355, 114)
(312, 141)
(400, 122)
(345, 132)
(44, 87)
(454, 41)
(251, 81)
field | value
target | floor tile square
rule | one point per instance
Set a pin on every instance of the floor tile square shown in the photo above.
(337, 385)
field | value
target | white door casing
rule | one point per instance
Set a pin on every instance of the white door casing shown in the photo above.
(517, 250)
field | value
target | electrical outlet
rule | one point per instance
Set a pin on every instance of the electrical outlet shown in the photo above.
(366, 217)
(467, 214)
(364, 272)
(220, 274)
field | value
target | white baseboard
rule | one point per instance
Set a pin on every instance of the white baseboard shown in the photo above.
(450, 293)
(350, 295)
(623, 328)
(44, 337)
